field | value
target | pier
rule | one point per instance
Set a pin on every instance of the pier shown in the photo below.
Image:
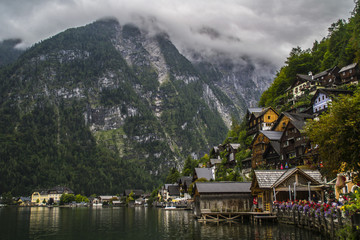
(208, 216)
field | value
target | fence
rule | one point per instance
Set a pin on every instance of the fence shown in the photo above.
(325, 224)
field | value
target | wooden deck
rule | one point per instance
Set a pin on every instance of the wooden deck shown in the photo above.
(208, 216)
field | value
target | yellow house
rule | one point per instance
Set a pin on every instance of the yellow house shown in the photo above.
(39, 197)
(262, 120)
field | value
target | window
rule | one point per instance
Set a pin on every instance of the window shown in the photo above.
(269, 117)
(350, 71)
(319, 99)
(323, 97)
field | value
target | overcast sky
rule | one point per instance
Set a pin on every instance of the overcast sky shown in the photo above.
(260, 29)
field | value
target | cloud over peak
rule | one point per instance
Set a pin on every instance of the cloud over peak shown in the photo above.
(259, 29)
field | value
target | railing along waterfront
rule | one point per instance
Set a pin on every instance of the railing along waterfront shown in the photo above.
(328, 222)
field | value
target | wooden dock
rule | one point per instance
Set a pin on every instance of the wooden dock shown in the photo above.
(208, 216)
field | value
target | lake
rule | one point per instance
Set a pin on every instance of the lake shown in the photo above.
(131, 223)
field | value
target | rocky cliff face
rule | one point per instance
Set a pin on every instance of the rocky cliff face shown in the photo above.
(135, 93)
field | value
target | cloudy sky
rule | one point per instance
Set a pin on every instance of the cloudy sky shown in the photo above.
(260, 29)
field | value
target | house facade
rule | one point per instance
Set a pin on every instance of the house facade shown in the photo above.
(262, 121)
(259, 145)
(222, 197)
(328, 78)
(320, 101)
(284, 185)
(350, 74)
(49, 195)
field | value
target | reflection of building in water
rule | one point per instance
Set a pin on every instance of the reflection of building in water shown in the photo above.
(44, 219)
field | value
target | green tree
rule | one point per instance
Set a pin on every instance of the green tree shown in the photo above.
(7, 198)
(173, 176)
(189, 166)
(67, 198)
(337, 133)
(130, 197)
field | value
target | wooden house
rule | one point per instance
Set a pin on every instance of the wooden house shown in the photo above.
(184, 183)
(107, 198)
(272, 154)
(137, 193)
(174, 192)
(246, 165)
(328, 78)
(164, 191)
(321, 99)
(350, 74)
(293, 141)
(262, 120)
(222, 197)
(259, 144)
(283, 185)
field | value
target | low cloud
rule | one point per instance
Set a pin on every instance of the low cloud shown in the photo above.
(258, 29)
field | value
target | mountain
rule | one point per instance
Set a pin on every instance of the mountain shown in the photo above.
(8, 51)
(105, 107)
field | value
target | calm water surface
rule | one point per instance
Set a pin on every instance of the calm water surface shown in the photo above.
(130, 223)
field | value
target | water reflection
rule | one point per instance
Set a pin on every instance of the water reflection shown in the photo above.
(131, 223)
(44, 220)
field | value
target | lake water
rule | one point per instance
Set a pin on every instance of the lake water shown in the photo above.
(131, 223)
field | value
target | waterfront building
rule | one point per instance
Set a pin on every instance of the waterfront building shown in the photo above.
(49, 195)
(222, 197)
(284, 185)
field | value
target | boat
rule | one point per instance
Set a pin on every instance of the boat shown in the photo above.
(170, 207)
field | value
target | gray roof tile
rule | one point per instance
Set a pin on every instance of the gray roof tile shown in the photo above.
(223, 187)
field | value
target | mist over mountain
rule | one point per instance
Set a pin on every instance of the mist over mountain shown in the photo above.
(105, 107)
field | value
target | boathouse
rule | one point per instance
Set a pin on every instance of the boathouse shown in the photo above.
(283, 185)
(213, 197)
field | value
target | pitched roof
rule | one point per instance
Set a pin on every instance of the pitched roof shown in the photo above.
(223, 187)
(186, 180)
(206, 173)
(214, 161)
(60, 190)
(174, 190)
(351, 66)
(272, 178)
(267, 109)
(329, 92)
(323, 73)
(253, 110)
(276, 146)
(298, 119)
(266, 178)
(235, 145)
(272, 135)
(315, 174)
(304, 77)
(137, 192)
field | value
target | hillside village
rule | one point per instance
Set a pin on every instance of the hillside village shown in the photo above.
(277, 162)
(282, 156)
